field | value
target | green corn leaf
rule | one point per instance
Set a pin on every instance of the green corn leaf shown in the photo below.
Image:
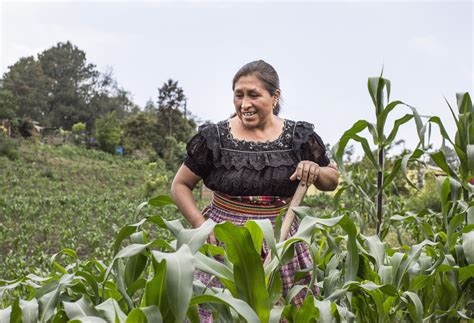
(357, 127)
(376, 250)
(470, 158)
(88, 319)
(440, 160)
(111, 311)
(29, 310)
(47, 304)
(124, 233)
(16, 314)
(307, 312)
(396, 126)
(275, 288)
(161, 201)
(372, 85)
(122, 289)
(470, 215)
(276, 313)
(405, 264)
(268, 233)
(128, 251)
(382, 118)
(442, 129)
(134, 268)
(241, 307)
(79, 309)
(256, 234)
(415, 307)
(325, 309)
(466, 272)
(91, 280)
(249, 275)
(155, 288)
(331, 282)
(195, 238)
(454, 224)
(464, 103)
(174, 226)
(468, 246)
(179, 279)
(5, 314)
(145, 314)
(386, 274)
(213, 267)
(415, 155)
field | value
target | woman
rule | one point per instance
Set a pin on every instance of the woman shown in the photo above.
(253, 162)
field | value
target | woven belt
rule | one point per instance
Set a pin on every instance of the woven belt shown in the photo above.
(249, 205)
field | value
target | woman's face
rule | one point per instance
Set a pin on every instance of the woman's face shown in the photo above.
(253, 103)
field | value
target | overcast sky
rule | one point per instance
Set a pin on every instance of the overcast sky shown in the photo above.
(323, 51)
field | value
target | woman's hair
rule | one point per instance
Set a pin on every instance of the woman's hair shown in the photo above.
(265, 73)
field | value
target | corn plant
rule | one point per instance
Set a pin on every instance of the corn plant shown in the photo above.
(463, 144)
(152, 280)
(379, 87)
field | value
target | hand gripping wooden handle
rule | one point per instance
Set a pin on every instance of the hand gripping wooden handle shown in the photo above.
(289, 217)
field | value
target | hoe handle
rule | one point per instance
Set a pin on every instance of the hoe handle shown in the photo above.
(289, 217)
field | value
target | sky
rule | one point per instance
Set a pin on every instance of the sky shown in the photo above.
(324, 52)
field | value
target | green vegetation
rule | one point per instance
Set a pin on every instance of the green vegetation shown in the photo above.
(426, 274)
(65, 196)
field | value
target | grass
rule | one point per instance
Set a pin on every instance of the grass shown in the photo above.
(54, 197)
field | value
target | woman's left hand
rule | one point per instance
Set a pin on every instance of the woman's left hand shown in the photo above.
(307, 172)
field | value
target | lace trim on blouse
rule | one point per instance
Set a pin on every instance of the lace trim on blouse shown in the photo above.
(283, 142)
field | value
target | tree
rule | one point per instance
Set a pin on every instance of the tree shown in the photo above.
(108, 96)
(150, 106)
(171, 119)
(171, 98)
(107, 131)
(61, 88)
(72, 84)
(28, 84)
(8, 105)
(138, 132)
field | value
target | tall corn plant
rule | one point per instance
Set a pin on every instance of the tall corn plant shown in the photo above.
(379, 88)
(463, 144)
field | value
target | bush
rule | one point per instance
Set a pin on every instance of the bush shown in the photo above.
(156, 179)
(107, 129)
(426, 198)
(78, 128)
(8, 147)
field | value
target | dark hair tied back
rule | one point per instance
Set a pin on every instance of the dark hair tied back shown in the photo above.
(265, 73)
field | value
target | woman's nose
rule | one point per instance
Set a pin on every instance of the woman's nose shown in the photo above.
(245, 103)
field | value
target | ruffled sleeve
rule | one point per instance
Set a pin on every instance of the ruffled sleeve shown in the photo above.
(308, 145)
(199, 150)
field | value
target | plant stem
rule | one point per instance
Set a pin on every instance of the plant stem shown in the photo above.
(379, 189)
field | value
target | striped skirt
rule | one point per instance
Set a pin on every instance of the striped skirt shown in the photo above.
(238, 210)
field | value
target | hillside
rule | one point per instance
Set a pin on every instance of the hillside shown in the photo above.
(53, 197)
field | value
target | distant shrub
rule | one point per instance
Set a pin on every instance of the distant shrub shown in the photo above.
(8, 147)
(79, 133)
(156, 179)
(78, 128)
(107, 131)
(427, 197)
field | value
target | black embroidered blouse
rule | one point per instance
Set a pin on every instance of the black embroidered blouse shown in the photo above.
(241, 168)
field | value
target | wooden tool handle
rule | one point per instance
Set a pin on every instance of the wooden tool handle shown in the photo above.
(289, 217)
(290, 214)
